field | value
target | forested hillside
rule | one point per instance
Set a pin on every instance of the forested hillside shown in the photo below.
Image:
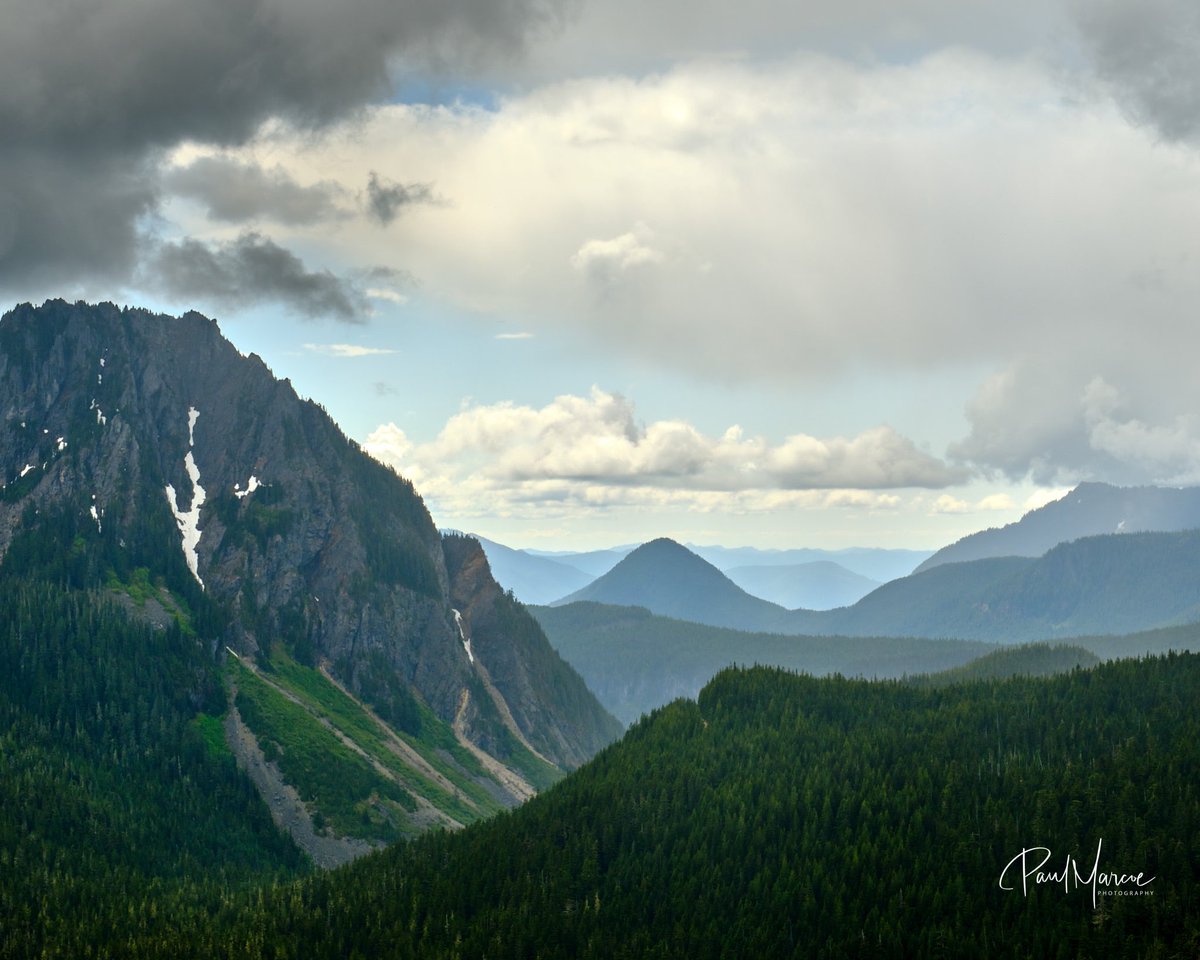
(785, 816)
(1029, 660)
(636, 661)
(115, 780)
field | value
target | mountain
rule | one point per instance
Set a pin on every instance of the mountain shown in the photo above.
(1113, 584)
(1088, 510)
(874, 563)
(776, 816)
(817, 585)
(670, 580)
(143, 456)
(636, 661)
(594, 563)
(532, 579)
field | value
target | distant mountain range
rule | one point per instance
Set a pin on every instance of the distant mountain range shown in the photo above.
(1109, 584)
(1088, 510)
(592, 562)
(876, 563)
(533, 578)
(636, 661)
(806, 579)
(817, 585)
(809, 578)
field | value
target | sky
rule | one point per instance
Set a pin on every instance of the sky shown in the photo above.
(589, 272)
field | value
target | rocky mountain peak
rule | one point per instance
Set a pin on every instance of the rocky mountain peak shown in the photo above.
(153, 443)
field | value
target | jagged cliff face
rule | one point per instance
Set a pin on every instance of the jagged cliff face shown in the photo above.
(158, 434)
(535, 684)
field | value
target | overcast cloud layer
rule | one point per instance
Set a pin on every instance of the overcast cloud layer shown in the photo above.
(811, 217)
(763, 191)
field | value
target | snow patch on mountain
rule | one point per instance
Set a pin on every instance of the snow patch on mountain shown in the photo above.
(189, 520)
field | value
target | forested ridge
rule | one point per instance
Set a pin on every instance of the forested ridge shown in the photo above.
(118, 796)
(779, 815)
(790, 816)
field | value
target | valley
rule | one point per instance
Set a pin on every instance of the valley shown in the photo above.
(256, 704)
(597, 480)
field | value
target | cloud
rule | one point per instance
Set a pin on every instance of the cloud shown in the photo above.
(386, 199)
(950, 505)
(1146, 54)
(249, 270)
(876, 459)
(803, 218)
(69, 217)
(604, 259)
(1061, 421)
(385, 293)
(1039, 498)
(593, 450)
(237, 191)
(351, 350)
(626, 36)
(522, 335)
(94, 96)
(959, 217)
(1171, 450)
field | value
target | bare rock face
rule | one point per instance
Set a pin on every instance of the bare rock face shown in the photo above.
(535, 683)
(154, 443)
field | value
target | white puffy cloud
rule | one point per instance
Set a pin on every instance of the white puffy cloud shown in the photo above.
(592, 451)
(947, 504)
(620, 254)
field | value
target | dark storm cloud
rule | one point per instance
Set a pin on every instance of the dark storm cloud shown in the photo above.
(387, 199)
(152, 72)
(67, 216)
(1147, 53)
(93, 94)
(238, 192)
(249, 270)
